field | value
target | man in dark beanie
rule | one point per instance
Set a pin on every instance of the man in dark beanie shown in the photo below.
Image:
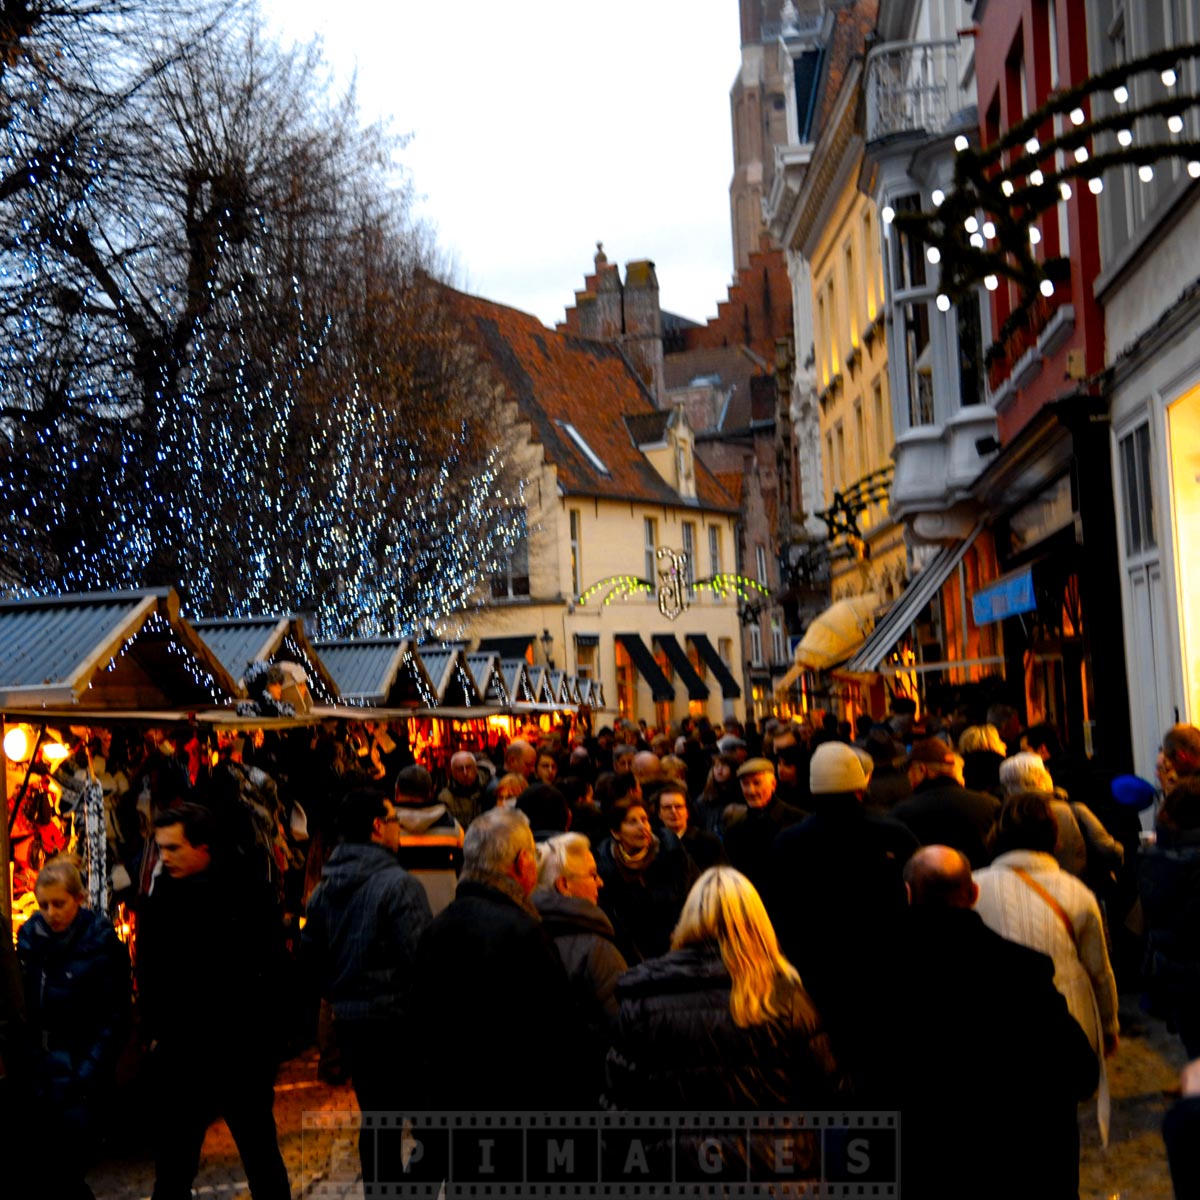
(431, 839)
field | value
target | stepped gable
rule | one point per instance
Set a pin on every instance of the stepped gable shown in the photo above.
(556, 378)
(756, 312)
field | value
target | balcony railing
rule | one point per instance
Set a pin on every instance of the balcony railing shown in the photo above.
(912, 87)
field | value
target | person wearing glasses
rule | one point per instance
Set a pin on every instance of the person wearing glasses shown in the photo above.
(359, 942)
(566, 899)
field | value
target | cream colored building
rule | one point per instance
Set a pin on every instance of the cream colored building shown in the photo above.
(613, 486)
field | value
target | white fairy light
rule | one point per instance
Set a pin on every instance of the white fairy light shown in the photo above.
(888, 213)
(933, 254)
(989, 230)
(1046, 288)
(1120, 93)
(1095, 185)
(937, 196)
(1125, 137)
(971, 225)
(991, 282)
(1081, 154)
(961, 143)
(1077, 116)
(943, 302)
(1145, 172)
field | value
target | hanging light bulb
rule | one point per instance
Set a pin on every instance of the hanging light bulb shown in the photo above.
(991, 282)
(1077, 116)
(1046, 288)
(1175, 123)
(1081, 154)
(1194, 169)
(943, 302)
(1120, 93)
(933, 254)
(1006, 187)
(1035, 235)
(1145, 172)
(961, 143)
(1033, 145)
(970, 224)
(1125, 137)
(1036, 178)
(17, 744)
(1064, 190)
(937, 196)
(1169, 77)
(1095, 185)
(888, 213)
(989, 230)
(977, 240)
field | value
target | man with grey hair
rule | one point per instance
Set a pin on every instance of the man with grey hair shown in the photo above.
(485, 963)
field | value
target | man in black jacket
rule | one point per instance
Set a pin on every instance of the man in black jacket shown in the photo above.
(940, 810)
(485, 967)
(209, 950)
(359, 942)
(981, 1012)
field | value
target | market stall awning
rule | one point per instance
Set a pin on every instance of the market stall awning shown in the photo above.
(489, 678)
(648, 669)
(921, 589)
(108, 650)
(507, 647)
(453, 683)
(697, 689)
(517, 679)
(378, 671)
(716, 664)
(833, 636)
(240, 641)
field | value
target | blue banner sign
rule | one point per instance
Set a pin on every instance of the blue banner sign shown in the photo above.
(1005, 598)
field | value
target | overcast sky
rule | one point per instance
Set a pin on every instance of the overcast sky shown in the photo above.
(540, 127)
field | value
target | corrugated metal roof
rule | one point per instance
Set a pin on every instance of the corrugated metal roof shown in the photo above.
(489, 679)
(238, 642)
(364, 670)
(55, 649)
(516, 677)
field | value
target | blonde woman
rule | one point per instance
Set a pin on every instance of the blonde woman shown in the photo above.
(722, 1021)
(983, 750)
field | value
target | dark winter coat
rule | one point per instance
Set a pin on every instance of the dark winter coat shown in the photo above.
(677, 1047)
(1169, 882)
(989, 1064)
(360, 937)
(584, 938)
(486, 969)
(645, 904)
(836, 898)
(748, 841)
(209, 968)
(941, 812)
(77, 1002)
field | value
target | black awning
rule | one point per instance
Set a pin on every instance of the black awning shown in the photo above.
(660, 685)
(697, 689)
(506, 647)
(587, 639)
(729, 686)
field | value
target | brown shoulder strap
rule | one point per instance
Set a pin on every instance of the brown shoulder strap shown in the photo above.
(1060, 912)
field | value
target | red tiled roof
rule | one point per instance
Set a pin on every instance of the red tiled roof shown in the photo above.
(557, 378)
(734, 483)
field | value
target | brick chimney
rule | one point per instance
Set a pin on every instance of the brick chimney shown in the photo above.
(643, 341)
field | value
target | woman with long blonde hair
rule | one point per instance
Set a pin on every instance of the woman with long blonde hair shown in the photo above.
(722, 1021)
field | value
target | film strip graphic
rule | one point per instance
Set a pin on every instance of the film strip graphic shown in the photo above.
(623, 1156)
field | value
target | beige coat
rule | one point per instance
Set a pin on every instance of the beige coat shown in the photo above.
(1014, 910)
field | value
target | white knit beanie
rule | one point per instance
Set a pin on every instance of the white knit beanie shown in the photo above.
(834, 768)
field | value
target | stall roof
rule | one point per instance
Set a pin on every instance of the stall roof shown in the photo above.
(378, 671)
(108, 650)
(450, 675)
(520, 686)
(239, 641)
(489, 678)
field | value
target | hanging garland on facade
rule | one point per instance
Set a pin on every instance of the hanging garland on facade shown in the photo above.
(987, 226)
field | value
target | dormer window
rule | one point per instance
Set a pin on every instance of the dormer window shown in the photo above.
(588, 452)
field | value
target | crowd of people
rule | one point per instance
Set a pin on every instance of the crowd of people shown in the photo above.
(897, 916)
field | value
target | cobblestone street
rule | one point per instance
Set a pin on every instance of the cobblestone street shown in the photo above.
(318, 1134)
